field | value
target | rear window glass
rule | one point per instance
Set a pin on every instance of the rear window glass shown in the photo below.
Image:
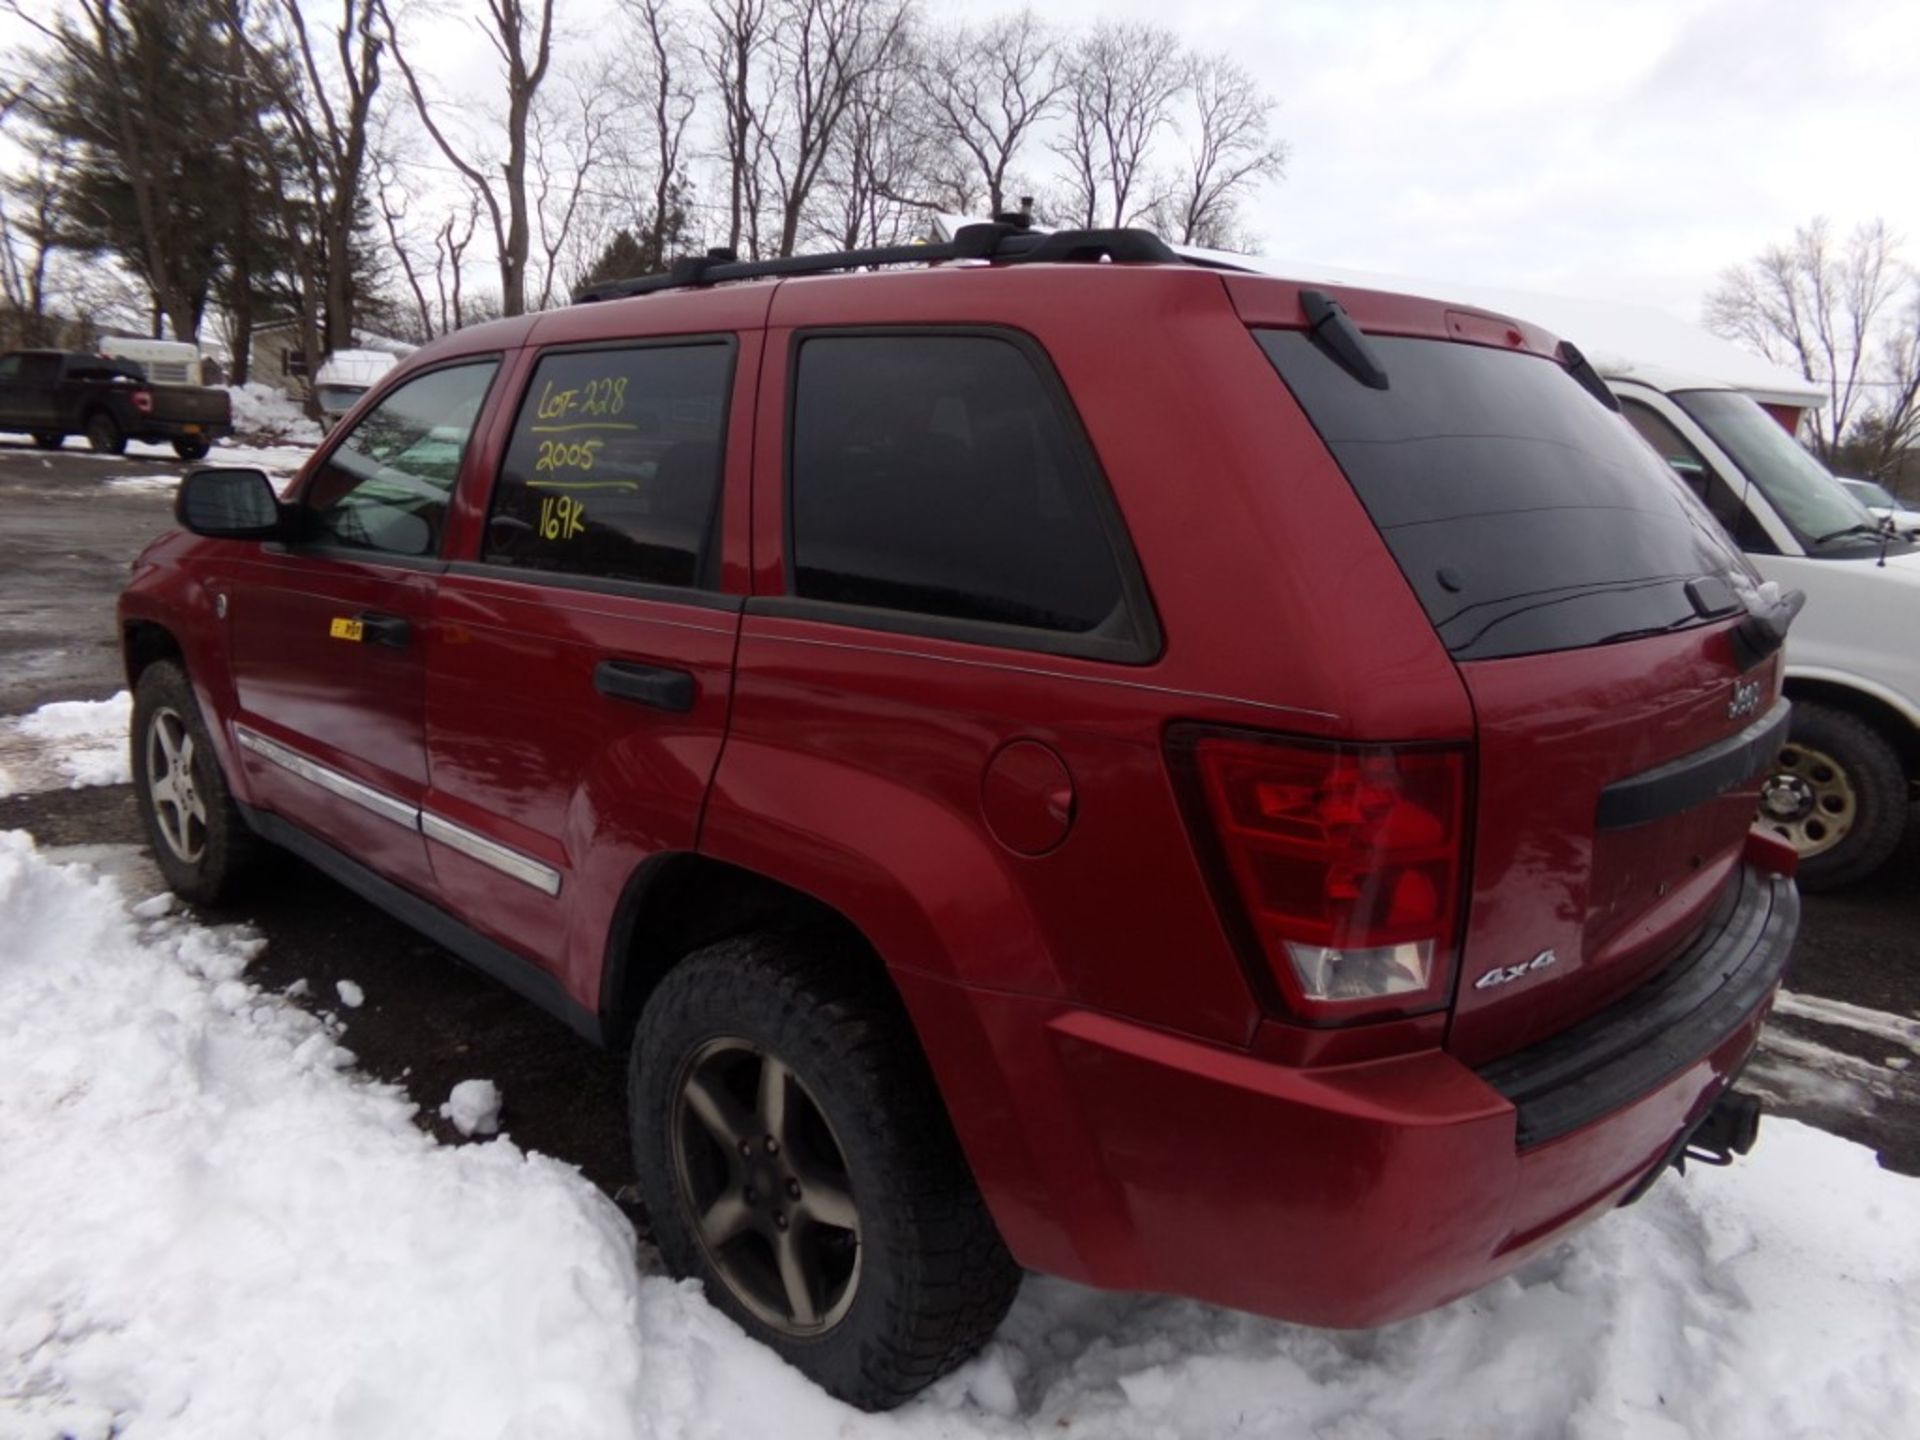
(1526, 516)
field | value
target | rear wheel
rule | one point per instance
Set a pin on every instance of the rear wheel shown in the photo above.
(199, 839)
(795, 1157)
(1838, 794)
(104, 435)
(191, 447)
(49, 439)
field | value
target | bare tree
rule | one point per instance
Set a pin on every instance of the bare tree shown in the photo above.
(734, 46)
(988, 90)
(1230, 151)
(323, 90)
(884, 167)
(668, 101)
(1843, 314)
(1120, 85)
(570, 144)
(521, 34)
(30, 220)
(432, 261)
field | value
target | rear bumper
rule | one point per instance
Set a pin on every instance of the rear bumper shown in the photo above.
(151, 429)
(1352, 1195)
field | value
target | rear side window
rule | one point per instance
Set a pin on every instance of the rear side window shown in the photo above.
(1526, 516)
(939, 475)
(614, 467)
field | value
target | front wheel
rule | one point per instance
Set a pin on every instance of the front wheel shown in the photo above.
(191, 447)
(104, 436)
(795, 1156)
(199, 838)
(1837, 794)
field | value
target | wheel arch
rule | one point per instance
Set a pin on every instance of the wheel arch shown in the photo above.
(676, 903)
(143, 642)
(1891, 721)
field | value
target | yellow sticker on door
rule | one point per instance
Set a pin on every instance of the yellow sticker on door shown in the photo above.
(345, 629)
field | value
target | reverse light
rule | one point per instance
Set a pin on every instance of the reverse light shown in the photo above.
(1341, 864)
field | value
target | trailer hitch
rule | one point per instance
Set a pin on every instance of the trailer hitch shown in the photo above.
(1729, 1128)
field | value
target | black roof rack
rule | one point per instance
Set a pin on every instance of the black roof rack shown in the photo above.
(1000, 241)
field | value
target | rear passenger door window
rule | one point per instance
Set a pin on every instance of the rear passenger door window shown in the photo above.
(940, 482)
(613, 471)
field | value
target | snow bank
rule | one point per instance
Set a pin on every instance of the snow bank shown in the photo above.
(67, 744)
(216, 1229)
(262, 412)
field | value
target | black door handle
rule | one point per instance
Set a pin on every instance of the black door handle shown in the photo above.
(388, 630)
(660, 686)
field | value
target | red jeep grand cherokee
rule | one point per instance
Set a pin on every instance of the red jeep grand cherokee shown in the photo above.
(1072, 759)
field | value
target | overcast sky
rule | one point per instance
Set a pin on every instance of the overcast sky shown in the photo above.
(1613, 149)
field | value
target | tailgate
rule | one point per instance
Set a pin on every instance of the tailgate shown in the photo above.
(1591, 606)
(1617, 785)
(192, 404)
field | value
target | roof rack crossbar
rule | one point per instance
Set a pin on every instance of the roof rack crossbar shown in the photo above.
(997, 241)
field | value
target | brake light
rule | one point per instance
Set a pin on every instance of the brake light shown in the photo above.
(1343, 864)
(143, 401)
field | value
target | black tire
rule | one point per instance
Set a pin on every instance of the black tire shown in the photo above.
(1838, 793)
(49, 439)
(191, 447)
(203, 857)
(929, 1277)
(104, 435)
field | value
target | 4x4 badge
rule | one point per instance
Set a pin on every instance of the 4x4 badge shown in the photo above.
(1746, 699)
(1502, 974)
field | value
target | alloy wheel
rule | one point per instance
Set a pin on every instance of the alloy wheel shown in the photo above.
(765, 1185)
(179, 809)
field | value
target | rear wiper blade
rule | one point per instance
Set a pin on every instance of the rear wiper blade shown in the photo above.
(1333, 331)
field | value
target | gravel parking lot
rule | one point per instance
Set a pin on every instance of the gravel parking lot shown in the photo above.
(70, 522)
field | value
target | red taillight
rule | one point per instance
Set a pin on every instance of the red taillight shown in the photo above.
(143, 401)
(1345, 862)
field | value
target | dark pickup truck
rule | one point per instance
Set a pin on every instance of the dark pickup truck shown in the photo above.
(51, 394)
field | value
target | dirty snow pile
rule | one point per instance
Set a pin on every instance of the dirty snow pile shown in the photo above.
(66, 745)
(213, 1227)
(264, 413)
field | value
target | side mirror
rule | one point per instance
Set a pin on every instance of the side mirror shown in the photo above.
(229, 504)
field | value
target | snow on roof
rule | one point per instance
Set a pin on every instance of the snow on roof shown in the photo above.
(1619, 337)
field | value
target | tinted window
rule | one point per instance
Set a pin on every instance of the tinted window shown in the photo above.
(614, 466)
(938, 475)
(1525, 515)
(1700, 477)
(385, 486)
(39, 369)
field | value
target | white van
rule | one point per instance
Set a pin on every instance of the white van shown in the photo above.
(166, 362)
(1843, 785)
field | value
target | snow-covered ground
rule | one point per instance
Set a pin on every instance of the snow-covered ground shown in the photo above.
(214, 1226)
(65, 745)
